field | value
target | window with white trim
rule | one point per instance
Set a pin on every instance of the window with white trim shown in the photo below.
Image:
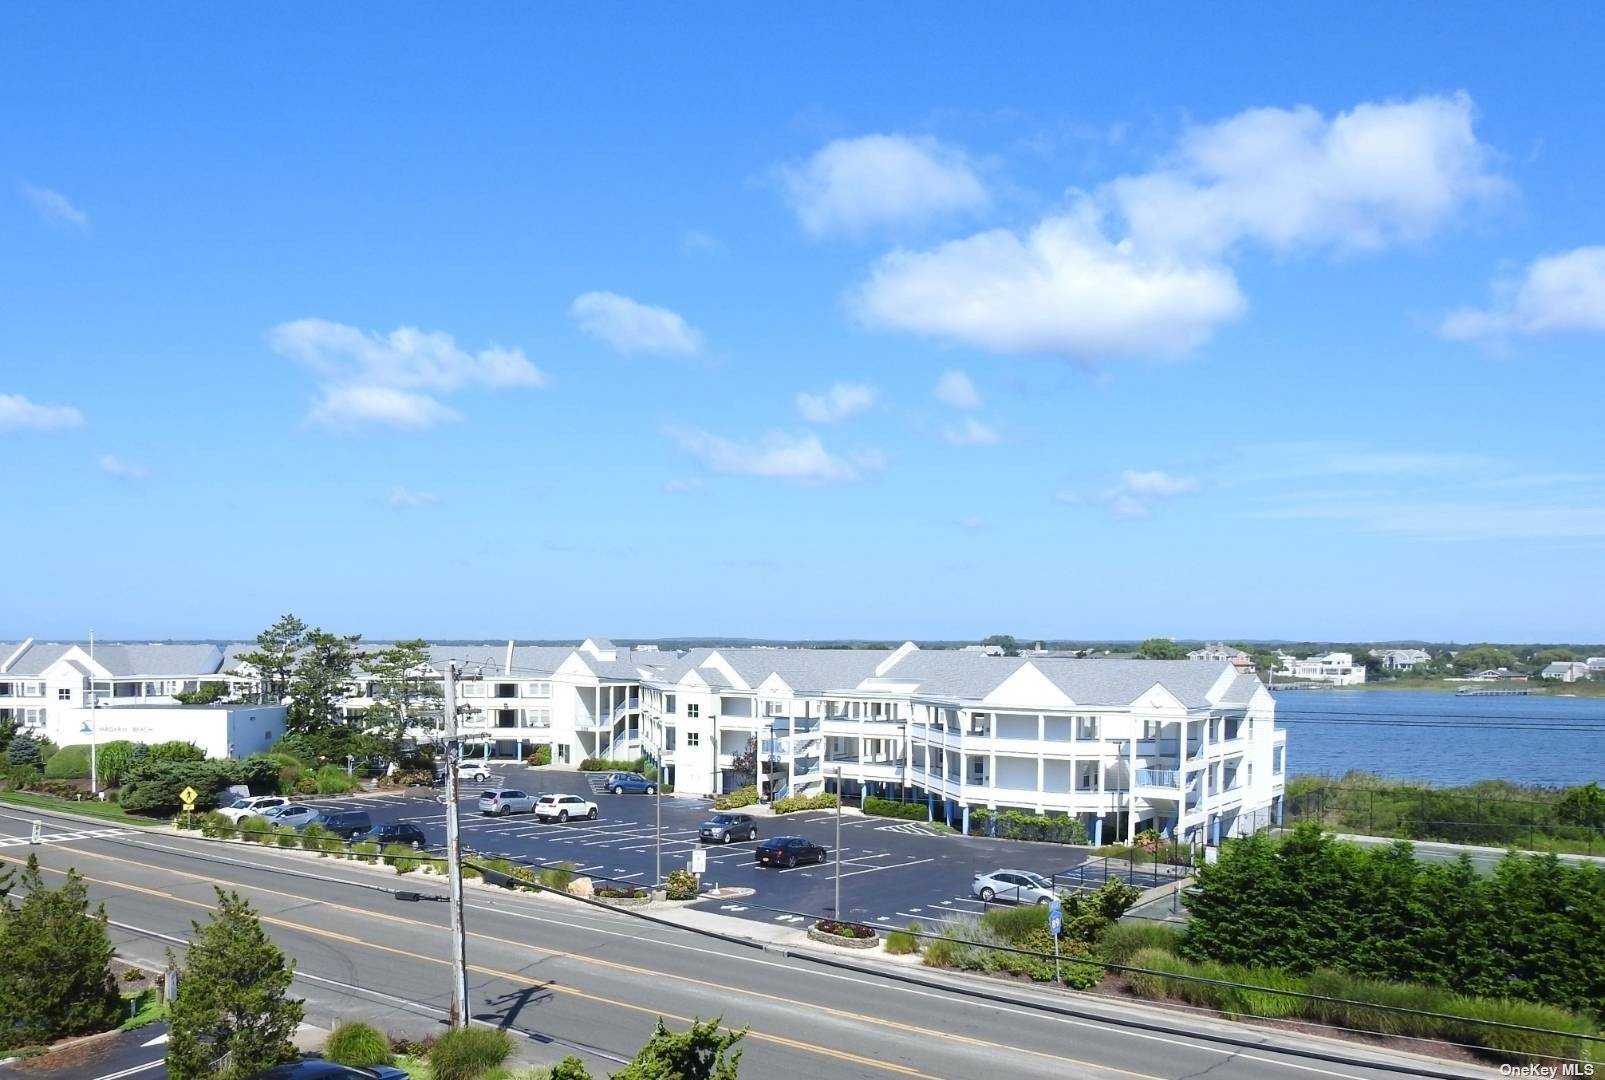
(692, 712)
(693, 738)
(472, 689)
(537, 689)
(63, 693)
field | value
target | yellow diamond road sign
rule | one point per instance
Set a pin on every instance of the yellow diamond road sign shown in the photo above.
(189, 795)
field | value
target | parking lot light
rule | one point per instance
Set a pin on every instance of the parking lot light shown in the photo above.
(837, 910)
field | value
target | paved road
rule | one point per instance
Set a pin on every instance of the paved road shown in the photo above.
(572, 979)
(892, 872)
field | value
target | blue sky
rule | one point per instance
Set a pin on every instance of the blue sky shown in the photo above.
(420, 322)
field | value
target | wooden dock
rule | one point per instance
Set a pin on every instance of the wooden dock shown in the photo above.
(1468, 691)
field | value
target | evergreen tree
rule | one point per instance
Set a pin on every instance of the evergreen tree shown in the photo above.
(55, 963)
(24, 750)
(8, 728)
(274, 658)
(403, 696)
(318, 683)
(231, 999)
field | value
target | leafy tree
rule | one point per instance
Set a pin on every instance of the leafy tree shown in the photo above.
(55, 963)
(318, 683)
(114, 759)
(1160, 648)
(701, 1052)
(745, 763)
(231, 999)
(403, 695)
(1264, 659)
(24, 750)
(1483, 656)
(6, 876)
(1553, 656)
(274, 658)
(1582, 806)
(1011, 647)
(8, 729)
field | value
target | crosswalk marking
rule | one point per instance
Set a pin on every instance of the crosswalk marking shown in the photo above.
(59, 838)
(911, 828)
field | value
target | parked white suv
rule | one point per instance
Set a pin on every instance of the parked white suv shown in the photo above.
(563, 807)
(472, 770)
(252, 806)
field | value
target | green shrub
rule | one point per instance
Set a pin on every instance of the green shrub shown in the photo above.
(356, 1043)
(306, 784)
(1120, 941)
(214, 825)
(903, 942)
(316, 838)
(908, 811)
(254, 829)
(793, 803)
(401, 857)
(204, 694)
(286, 836)
(114, 759)
(742, 796)
(25, 750)
(681, 885)
(177, 752)
(332, 780)
(23, 777)
(541, 755)
(367, 851)
(1015, 922)
(639, 765)
(468, 1053)
(557, 878)
(1022, 825)
(69, 763)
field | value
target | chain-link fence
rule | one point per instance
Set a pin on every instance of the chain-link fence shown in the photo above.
(1420, 813)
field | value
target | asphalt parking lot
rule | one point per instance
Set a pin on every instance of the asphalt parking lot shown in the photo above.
(892, 872)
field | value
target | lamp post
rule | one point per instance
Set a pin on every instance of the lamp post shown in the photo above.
(454, 867)
(837, 910)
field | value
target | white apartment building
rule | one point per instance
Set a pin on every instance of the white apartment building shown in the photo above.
(1189, 748)
(1186, 747)
(72, 693)
(1337, 668)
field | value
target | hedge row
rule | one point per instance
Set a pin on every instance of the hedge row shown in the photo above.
(793, 803)
(742, 796)
(1022, 825)
(591, 764)
(152, 786)
(908, 811)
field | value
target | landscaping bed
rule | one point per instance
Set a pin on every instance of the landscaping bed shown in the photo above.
(844, 934)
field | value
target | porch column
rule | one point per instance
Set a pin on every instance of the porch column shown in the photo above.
(1097, 831)
(966, 827)
(1131, 788)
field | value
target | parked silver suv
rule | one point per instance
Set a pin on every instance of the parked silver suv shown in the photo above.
(506, 801)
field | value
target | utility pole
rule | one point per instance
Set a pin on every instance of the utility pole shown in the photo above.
(454, 862)
(837, 910)
(94, 724)
(657, 853)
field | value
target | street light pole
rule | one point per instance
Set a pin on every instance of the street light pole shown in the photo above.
(454, 863)
(837, 910)
(94, 725)
(657, 852)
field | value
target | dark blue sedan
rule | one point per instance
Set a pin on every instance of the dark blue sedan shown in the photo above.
(630, 783)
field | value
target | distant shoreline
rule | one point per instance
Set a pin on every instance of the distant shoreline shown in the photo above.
(1591, 689)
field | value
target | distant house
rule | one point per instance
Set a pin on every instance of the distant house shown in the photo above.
(1220, 651)
(1596, 666)
(1402, 659)
(1337, 668)
(1495, 675)
(1565, 671)
(986, 650)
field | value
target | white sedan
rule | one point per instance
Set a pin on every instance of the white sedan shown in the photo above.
(253, 806)
(1012, 886)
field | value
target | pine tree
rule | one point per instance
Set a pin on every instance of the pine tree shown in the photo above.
(231, 1005)
(55, 963)
(319, 681)
(403, 696)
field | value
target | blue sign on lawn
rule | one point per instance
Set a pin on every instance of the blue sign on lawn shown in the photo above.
(1056, 917)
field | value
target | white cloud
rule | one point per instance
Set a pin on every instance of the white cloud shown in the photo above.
(17, 412)
(112, 465)
(341, 408)
(839, 402)
(404, 496)
(393, 378)
(1138, 266)
(1563, 293)
(955, 388)
(629, 326)
(970, 433)
(1137, 491)
(1061, 289)
(54, 207)
(1379, 174)
(799, 457)
(852, 185)
(1155, 482)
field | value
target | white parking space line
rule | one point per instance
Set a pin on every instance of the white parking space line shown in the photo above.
(889, 866)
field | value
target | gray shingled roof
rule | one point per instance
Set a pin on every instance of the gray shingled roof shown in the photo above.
(806, 670)
(159, 659)
(1120, 682)
(955, 674)
(39, 656)
(1241, 690)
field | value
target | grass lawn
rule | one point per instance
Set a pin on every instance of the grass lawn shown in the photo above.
(147, 1009)
(88, 808)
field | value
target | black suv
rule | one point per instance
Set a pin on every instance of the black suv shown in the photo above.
(399, 832)
(788, 851)
(347, 824)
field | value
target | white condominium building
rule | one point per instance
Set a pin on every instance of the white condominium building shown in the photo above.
(1186, 747)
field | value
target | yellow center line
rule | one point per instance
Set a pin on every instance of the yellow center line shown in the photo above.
(614, 965)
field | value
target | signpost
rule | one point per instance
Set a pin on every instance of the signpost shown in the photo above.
(699, 865)
(1055, 927)
(189, 795)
